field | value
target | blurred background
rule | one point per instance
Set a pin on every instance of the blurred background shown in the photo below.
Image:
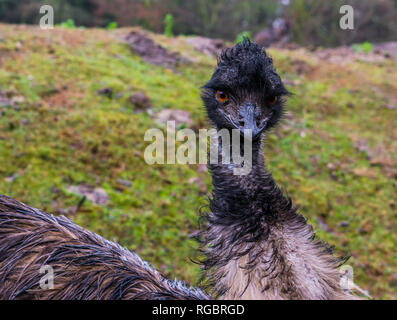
(76, 101)
(306, 22)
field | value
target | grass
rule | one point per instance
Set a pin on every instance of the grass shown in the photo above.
(335, 153)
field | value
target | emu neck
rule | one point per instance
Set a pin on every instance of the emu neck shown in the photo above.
(257, 246)
(253, 194)
(256, 172)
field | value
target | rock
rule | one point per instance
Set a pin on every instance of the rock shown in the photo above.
(125, 183)
(350, 105)
(95, 195)
(179, 116)
(364, 172)
(331, 166)
(18, 45)
(11, 178)
(108, 92)
(5, 101)
(140, 101)
(343, 224)
(323, 225)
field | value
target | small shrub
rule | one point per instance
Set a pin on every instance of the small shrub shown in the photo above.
(365, 47)
(169, 23)
(112, 25)
(242, 35)
(69, 24)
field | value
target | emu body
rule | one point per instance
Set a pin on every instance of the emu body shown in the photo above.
(86, 266)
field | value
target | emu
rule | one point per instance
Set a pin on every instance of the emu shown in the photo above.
(256, 245)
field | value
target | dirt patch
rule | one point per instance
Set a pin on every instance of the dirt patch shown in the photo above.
(63, 96)
(179, 116)
(152, 52)
(95, 195)
(300, 67)
(210, 47)
(377, 156)
(388, 49)
(345, 54)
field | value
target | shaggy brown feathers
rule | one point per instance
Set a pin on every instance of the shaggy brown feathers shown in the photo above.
(86, 266)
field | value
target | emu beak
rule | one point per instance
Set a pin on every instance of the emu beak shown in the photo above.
(249, 123)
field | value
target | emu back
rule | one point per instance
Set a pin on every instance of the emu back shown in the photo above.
(85, 265)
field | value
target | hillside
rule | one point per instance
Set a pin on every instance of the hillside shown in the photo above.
(68, 124)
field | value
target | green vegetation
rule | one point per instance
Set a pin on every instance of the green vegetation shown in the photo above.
(112, 25)
(365, 47)
(335, 153)
(241, 36)
(69, 24)
(169, 23)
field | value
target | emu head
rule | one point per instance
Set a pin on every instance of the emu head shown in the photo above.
(244, 92)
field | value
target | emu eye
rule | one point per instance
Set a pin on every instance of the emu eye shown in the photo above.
(272, 100)
(222, 96)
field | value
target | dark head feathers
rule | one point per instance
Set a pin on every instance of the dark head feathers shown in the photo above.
(246, 65)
